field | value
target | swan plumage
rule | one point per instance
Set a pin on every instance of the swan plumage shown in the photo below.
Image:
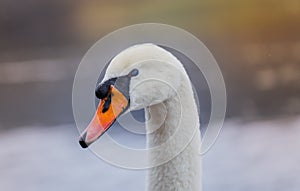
(163, 88)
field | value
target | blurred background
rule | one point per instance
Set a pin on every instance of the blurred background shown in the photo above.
(256, 44)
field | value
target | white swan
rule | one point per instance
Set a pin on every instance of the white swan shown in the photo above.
(147, 76)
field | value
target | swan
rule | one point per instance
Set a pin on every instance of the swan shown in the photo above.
(150, 77)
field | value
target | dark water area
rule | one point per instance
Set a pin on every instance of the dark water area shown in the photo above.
(47, 103)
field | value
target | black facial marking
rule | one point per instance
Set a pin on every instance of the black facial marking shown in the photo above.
(102, 89)
(121, 83)
(107, 103)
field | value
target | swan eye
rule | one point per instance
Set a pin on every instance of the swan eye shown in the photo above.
(133, 72)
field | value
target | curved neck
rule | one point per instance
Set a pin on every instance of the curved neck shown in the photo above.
(173, 126)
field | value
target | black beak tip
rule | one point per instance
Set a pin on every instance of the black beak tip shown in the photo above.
(82, 143)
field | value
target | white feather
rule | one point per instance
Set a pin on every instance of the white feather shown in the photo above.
(163, 88)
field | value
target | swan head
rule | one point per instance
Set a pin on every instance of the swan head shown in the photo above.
(138, 77)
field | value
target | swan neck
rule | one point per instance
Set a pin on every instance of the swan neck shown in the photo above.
(173, 131)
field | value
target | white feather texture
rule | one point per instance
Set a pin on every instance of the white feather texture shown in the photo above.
(163, 88)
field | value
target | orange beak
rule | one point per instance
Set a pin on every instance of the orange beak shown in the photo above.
(107, 112)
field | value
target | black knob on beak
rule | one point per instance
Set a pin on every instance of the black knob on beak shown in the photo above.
(102, 90)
